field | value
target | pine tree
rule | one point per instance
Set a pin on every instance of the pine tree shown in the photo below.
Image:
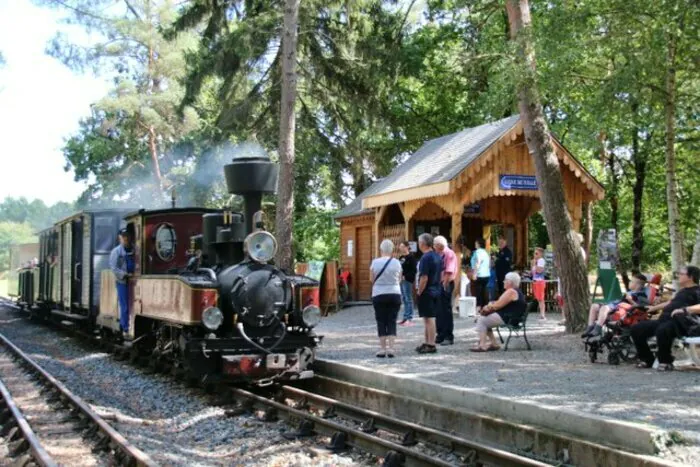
(147, 71)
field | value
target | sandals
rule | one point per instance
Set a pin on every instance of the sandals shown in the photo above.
(380, 354)
(493, 348)
(478, 349)
(665, 367)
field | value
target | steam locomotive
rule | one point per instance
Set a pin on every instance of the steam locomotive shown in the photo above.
(211, 308)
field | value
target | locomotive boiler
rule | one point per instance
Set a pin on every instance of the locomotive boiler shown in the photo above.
(205, 298)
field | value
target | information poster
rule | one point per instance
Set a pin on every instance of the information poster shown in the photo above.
(315, 270)
(607, 249)
(549, 259)
(350, 248)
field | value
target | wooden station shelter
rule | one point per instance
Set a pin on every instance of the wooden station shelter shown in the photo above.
(458, 186)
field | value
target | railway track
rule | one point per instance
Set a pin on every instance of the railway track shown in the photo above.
(43, 423)
(391, 426)
(398, 442)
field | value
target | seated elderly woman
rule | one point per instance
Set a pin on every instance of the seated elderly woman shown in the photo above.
(510, 305)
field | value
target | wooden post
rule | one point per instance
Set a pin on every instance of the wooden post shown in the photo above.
(378, 215)
(486, 233)
(518, 244)
(456, 234)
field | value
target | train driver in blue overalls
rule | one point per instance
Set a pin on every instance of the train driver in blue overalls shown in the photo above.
(121, 262)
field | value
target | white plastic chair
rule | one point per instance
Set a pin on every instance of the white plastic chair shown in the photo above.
(691, 345)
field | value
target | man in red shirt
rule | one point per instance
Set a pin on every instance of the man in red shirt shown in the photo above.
(444, 321)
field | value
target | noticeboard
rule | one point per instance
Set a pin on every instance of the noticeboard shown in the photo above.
(607, 249)
(315, 270)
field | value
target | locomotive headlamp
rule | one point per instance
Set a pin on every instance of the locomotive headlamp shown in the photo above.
(261, 246)
(311, 315)
(212, 318)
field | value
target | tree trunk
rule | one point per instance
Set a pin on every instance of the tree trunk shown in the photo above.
(613, 198)
(674, 217)
(589, 231)
(695, 261)
(284, 218)
(551, 189)
(640, 167)
(153, 149)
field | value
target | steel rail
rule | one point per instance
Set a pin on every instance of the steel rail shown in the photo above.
(34, 446)
(462, 446)
(354, 437)
(134, 455)
(368, 442)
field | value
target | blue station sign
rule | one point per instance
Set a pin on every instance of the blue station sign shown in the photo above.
(517, 182)
(474, 208)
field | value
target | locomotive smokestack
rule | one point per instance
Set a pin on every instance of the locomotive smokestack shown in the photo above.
(251, 176)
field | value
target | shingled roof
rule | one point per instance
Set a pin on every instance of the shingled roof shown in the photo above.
(354, 208)
(438, 160)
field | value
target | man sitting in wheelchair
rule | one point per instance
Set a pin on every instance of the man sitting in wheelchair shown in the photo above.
(638, 296)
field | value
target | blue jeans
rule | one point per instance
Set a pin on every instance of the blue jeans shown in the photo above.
(123, 294)
(407, 297)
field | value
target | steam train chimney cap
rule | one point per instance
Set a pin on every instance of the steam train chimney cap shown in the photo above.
(251, 171)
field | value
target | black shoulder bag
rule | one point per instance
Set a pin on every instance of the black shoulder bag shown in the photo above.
(382, 270)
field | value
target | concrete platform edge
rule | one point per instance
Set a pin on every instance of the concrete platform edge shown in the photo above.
(634, 437)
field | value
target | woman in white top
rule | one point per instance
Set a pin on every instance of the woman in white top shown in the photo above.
(385, 274)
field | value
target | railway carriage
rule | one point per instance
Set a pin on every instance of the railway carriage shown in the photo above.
(73, 254)
(205, 298)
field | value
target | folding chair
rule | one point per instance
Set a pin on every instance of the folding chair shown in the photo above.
(518, 325)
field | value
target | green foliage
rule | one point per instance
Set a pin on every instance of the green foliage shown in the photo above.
(21, 219)
(131, 144)
(13, 233)
(33, 213)
(317, 237)
(376, 79)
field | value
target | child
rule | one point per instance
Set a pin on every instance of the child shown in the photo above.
(637, 296)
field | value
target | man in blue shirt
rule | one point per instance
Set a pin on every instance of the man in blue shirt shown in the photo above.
(429, 290)
(121, 262)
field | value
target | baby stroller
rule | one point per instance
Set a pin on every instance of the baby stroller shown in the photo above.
(616, 337)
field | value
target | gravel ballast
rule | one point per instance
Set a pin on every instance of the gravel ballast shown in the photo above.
(556, 372)
(174, 425)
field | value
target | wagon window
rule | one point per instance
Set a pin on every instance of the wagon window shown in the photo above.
(165, 242)
(105, 234)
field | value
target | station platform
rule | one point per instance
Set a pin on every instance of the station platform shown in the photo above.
(555, 373)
